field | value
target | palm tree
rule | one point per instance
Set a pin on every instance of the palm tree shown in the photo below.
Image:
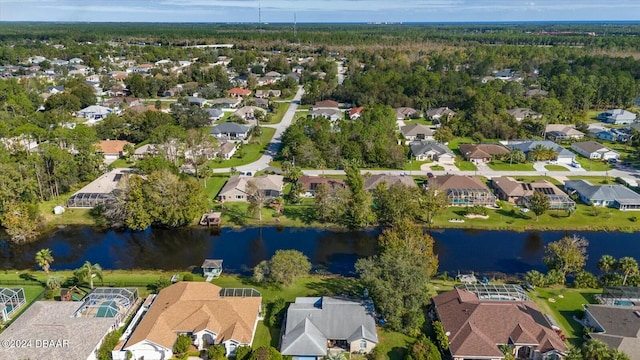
(618, 355)
(607, 263)
(88, 271)
(595, 350)
(44, 259)
(55, 282)
(628, 266)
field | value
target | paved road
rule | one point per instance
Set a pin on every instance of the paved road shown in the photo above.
(341, 72)
(276, 143)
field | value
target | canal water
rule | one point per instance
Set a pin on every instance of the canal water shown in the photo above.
(329, 250)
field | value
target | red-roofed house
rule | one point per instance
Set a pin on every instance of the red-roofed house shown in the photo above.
(239, 92)
(112, 149)
(355, 112)
(479, 325)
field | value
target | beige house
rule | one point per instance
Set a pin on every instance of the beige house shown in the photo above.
(236, 188)
(205, 312)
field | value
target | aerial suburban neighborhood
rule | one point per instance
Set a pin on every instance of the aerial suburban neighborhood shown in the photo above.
(379, 191)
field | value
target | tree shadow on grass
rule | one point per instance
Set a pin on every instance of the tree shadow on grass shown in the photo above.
(332, 286)
(397, 353)
(305, 214)
(512, 214)
(28, 277)
(236, 216)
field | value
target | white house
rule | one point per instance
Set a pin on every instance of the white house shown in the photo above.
(594, 150)
(95, 113)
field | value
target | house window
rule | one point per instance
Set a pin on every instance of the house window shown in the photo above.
(363, 344)
(239, 197)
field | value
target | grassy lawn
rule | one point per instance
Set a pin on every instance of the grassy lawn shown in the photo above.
(248, 153)
(277, 116)
(265, 336)
(120, 163)
(455, 143)
(585, 218)
(555, 168)
(293, 215)
(499, 165)
(421, 120)
(595, 180)
(69, 217)
(593, 165)
(31, 294)
(466, 166)
(534, 178)
(214, 184)
(394, 344)
(565, 308)
(415, 165)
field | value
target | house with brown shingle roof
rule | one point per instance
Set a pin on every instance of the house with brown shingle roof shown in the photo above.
(311, 184)
(520, 193)
(239, 92)
(478, 326)
(482, 153)
(199, 309)
(464, 190)
(236, 188)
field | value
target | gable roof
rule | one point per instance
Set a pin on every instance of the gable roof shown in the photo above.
(521, 113)
(356, 111)
(403, 112)
(510, 187)
(590, 146)
(568, 130)
(371, 182)
(416, 129)
(312, 182)
(621, 327)
(239, 91)
(482, 151)
(265, 182)
(446, 182)
(478, 326)
(421, 147)
(614, 192)
(439, 112)
(311, 321)
(326, 104)
(230, 127)
(526, 146)
(195, 306)
(112, 146)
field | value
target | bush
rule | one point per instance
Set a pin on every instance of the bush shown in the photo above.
(554, 277)
(275, 312)
(265, 353)
(611, 279)
(424, 349)
(110, 341)
(585, 280)
(441, 336)
(216, 352)
(243, 352)
(535, 278)
(187, 277)
(633, 219)
(379, 353)
(161, 284)
(49, 294)
(182, 344)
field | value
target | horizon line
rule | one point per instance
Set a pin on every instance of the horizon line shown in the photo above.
(603, 22)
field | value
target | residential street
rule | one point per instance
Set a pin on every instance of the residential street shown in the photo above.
(274, 145)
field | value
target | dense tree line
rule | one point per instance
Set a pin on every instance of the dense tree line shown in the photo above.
(369, 141)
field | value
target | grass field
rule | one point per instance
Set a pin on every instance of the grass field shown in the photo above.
(248, 153)
(593, 165)
(595, 180)
(466, 166)
(279, 114)
(214, 185)
(293, 215)
(415, 165)
(499, 165)
(555, 168)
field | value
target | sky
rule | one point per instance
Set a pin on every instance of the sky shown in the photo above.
(314, 11)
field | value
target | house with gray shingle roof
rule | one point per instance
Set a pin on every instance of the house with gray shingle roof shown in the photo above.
(594, 150)
(616, 326)
(617, 116)
(615, 196)
(416, 132)
(564, 156)
(523, 113)
(231, 131)
(429, 150)
(371, 182)
(438, 113)
(314, 325)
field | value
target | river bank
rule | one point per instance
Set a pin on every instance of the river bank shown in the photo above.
(507, 217)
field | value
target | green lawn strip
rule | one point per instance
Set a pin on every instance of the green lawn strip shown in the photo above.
(564, 309)
(466, 166)
(120, 163)
(555, 168)
(265, 336)
(585, 218)
(247, 153)
(415, 165)
(529, 179)
(499, 165)
(593, 165)
(455, 143)
(278, 114)
(595, 180)
(293, 215)
(421, 120)
(394, 343)
(214, 184)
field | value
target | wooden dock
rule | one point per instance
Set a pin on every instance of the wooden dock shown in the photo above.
(211, 219)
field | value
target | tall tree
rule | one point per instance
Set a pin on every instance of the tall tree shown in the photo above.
(286, 265)
(358, 212)
(88, 271)
(398, 277)
(257, 199)
(539, 203)
(628, 266)
(44, 258)
(567, 255)
(432, 201)
(198, 143)
(395, 204)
